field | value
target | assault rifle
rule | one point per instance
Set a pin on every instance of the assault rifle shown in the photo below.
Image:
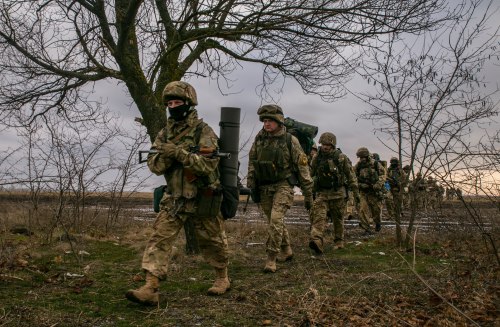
(206, 152)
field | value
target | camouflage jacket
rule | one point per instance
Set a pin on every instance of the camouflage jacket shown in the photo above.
(184, 178)
(371, 176)
(292, 161)
(396, 178)
(338, 164)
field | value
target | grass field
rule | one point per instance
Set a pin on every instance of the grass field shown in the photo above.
(450, 278)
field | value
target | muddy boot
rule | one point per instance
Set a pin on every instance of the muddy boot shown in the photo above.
(287, 253)
(270, 263)
(314, 245)
(147, 294)
(221, 283)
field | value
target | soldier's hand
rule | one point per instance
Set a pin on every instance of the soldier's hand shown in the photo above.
(167, 150)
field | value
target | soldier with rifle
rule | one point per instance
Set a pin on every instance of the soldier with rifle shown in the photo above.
(192, 192)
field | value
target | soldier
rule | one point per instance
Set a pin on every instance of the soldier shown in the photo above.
(192, 193)
(333, 178)
(432, 193)
(371, 179)
(417, 188)
(277, 163)
(396, 178)
(406, 188)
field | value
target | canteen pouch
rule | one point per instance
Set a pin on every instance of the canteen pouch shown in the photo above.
(208, 202)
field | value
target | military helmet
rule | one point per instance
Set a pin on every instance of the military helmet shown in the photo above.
(328, 138)
(407, 168)
(376, 156)
(394, 160)
(271, 111)
(180, 90)
(362, 152)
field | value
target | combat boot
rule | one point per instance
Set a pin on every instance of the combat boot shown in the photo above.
(147, 294)
(270, 263)
(314, 245)
(221, 283)
(287, 252)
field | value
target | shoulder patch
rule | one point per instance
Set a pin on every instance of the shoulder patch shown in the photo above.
(303, 160)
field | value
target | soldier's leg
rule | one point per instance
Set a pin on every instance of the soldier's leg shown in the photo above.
(376, 209)
(156, 257)
(278, 204)
(318, 218)
(211, 235)
(159, 247)
(365, 218)
(389, 204)
(337, 207)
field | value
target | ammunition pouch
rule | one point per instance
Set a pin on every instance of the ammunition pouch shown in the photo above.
(208, 202)
(157, 196)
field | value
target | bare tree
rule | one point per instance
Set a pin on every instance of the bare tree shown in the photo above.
(52, 50)
(432, 93)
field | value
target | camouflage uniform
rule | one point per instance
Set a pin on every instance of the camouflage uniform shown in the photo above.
(371, 178)
(396, 178)
(333, 177)
(273, 160)
(417, 190)
(433, 193)
(190, 178)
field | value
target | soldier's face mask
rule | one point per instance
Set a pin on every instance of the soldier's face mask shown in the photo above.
(179, 112)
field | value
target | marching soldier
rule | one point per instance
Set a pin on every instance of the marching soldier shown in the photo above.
(277, 163)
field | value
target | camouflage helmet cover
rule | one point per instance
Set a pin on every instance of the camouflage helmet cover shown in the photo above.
(271, 111)
(394, 160)
(407, 168)
(362, 152)
(328, 138)
(376, 156)
(182, 90)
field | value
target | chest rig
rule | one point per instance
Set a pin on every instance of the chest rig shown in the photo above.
(328, 171)
(273, 159)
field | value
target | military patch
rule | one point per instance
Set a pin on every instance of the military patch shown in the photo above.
(303, 160)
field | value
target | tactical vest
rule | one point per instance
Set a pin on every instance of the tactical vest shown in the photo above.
(273, 163)
(367, 174)
(328, 174)
(192, 138)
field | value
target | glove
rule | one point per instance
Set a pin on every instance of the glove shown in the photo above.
(308, 201)
(167, 150)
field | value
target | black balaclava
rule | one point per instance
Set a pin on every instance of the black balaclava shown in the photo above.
(180, 112)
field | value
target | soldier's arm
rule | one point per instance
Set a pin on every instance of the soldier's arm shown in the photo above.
(157, 163)
(200, 165)
(251, 175)
(299, 159)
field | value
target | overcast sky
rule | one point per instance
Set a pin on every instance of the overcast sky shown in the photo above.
(339, 117)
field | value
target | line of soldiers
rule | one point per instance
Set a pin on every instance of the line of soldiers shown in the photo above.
(277, 164)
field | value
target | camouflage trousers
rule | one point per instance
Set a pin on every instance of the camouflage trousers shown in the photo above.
(209, 231)
(393, 201)
(319, 221)
(370, 210)
(275, 202)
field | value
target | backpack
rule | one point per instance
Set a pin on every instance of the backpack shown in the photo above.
(305, 133)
